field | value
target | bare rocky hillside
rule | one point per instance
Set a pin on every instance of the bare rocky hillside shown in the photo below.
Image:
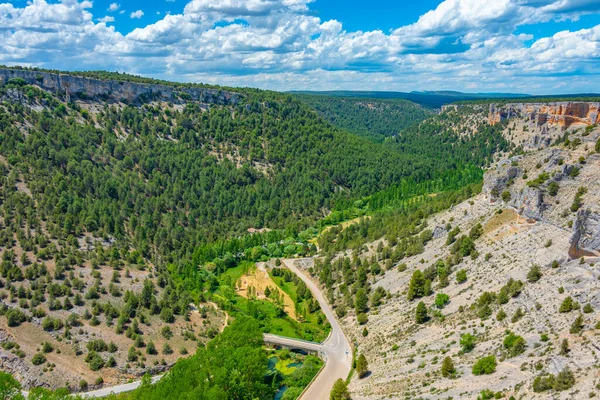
(531, 240)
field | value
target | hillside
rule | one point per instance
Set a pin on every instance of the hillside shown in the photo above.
(429, 99)
(374, 119)
(509, 274)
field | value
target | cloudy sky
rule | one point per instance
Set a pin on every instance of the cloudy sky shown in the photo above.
(526, 46)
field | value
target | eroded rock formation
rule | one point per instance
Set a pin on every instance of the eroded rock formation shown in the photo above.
(130, 92)
(561, 114)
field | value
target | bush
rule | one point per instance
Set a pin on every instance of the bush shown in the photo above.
(362, 318)
(47, 347)
(15, 317)
(514, 344)
(167, 349)
(535, 273)
(567, 305)
(339, 391)
(553, 188)
(166, 314)
(467, 342)
(461, 276)
(577, 325)
(485, 366)
(441, 299)
(97, 345)
(38, 359)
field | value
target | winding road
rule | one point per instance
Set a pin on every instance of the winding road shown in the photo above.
(335, 350)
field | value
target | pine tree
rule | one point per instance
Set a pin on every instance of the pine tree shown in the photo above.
(448, 369)
(339, 391)
(362, 367)
(421, 313)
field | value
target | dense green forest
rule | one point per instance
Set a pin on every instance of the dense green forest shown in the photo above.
(231, 366)
(374, 119)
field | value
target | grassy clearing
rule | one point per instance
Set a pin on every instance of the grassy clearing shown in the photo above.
(269, 313)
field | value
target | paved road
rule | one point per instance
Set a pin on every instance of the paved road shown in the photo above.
(126, 387)
(336, 348)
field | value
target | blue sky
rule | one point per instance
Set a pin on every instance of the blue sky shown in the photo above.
(526, 46)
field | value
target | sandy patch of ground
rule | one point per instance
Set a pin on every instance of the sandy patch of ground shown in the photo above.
(259, 279)
(505, 224)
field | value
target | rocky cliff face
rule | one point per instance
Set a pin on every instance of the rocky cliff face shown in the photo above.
(561, 114)
(130, 92)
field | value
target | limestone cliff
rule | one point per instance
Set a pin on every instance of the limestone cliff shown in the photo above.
(561, 114)
(130, 92)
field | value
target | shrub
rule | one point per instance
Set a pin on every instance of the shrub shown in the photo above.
(362, 318)
(577, 325)
(564, 380)
(38, 359)
(15, 317)
(151, 349)
(567, 305)
(339, 391)
(167, 349)
(514, 344)
(166, 314)
(467, 342)
(535, 273)
(441, 299)
(97, 345)
(485, 366)
(47, 347)
(553, 188)
(501, 315)
(461, 276)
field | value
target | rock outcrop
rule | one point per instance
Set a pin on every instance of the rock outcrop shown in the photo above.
(529, 202)
(496, 180)
(585, 240)
(561, 114)
(73, 86)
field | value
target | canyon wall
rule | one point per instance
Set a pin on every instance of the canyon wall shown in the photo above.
(112, 90)
(560, 114)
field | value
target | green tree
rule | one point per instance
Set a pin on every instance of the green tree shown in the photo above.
(421, 313)
(448, 369)
(416, 287)
(361, 301)
(362, 368)
(339, 391)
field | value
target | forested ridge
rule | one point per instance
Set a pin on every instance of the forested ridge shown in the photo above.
(170, 179)
(374, 119)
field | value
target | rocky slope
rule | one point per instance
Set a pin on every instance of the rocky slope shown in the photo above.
(537, 208)
(72, 86)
